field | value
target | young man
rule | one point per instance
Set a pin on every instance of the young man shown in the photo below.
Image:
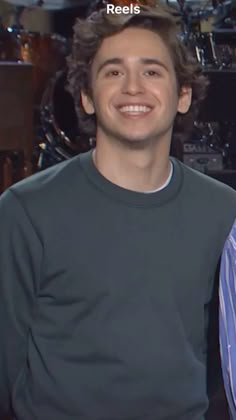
(108, 260)
(228, 319)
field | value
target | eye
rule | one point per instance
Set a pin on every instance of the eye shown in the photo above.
(152, 72)
(113, 73)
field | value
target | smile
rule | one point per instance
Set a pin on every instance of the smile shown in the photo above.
(135, 109)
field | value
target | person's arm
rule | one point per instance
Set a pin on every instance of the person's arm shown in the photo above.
(217, 409)
(227, 319)
(20, 267)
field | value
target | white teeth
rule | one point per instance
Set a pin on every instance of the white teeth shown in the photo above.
(135, 108)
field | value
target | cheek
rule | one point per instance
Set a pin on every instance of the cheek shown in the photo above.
(166, 95)
(172, 93)
(103, 97)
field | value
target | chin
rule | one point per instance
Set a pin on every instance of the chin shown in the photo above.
(135, 142)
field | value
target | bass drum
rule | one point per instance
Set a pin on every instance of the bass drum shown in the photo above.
(60, 130)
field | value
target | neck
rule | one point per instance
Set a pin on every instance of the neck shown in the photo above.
(135, 170)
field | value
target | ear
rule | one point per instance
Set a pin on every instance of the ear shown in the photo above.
(185, 99)
(87, 103)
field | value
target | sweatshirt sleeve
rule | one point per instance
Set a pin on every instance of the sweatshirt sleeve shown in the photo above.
(228, 319)
(20, 266)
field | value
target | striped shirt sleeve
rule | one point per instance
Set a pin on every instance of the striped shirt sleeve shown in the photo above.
(227, 319)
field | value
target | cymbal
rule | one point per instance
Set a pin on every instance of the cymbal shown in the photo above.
(48, 4)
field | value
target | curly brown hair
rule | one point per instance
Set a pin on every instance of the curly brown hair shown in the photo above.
(88, 36)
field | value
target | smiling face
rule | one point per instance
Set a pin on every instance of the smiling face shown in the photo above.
(134, 89)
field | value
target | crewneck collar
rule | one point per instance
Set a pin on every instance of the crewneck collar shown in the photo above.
(165, 183)
(128, 197)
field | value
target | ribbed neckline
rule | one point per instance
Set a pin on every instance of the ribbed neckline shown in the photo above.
(128, 197)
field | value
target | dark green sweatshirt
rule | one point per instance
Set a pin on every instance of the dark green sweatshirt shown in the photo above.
(104, 294)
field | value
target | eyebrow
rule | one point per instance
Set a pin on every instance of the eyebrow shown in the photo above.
(144, 60)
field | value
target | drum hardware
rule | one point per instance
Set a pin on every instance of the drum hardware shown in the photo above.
(205, 49)
(212, 51)
(206, 135)
(61, 135)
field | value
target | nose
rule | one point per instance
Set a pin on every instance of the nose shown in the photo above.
(132, 84)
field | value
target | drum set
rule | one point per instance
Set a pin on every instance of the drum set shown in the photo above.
(58, 135)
